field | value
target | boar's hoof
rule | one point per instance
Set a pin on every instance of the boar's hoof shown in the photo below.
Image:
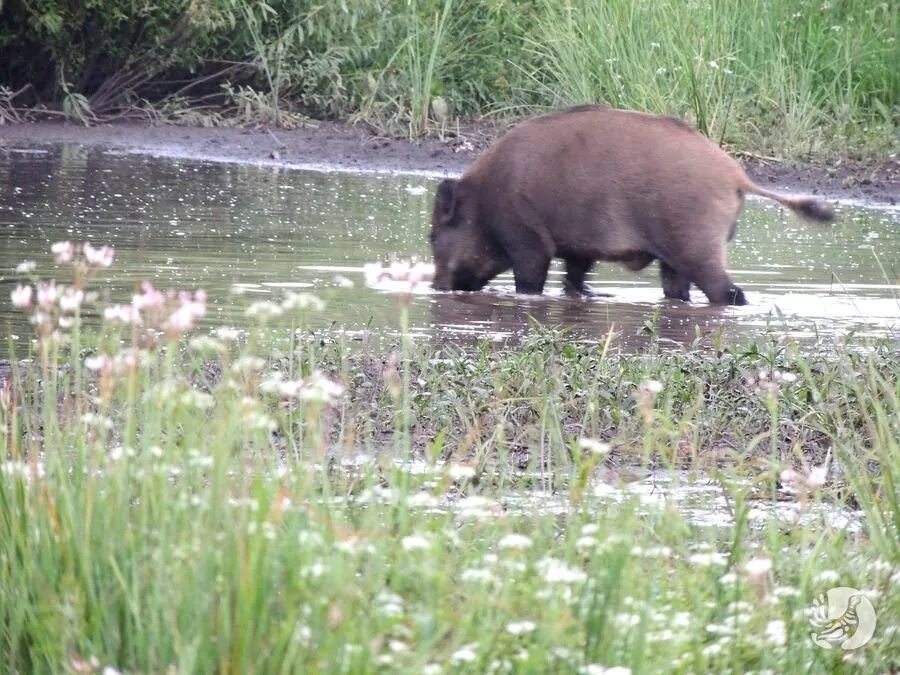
(736, 296)
(584, 290)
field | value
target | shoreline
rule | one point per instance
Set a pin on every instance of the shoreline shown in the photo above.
(336, 146)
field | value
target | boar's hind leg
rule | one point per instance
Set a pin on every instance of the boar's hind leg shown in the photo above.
(674, 285)
(576, 269)
(714, 281)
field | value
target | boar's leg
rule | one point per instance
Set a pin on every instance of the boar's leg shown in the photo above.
(718, 286)
(530, 272)
(576, 269)
(674, 285)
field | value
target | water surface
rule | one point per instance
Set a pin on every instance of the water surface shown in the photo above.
(244, 232)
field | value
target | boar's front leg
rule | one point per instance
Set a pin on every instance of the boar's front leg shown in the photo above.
(674, 285)
(530, 271)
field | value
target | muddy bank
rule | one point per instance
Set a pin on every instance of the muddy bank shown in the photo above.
(357, 148)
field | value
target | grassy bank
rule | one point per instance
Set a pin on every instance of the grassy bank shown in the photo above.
(268, 500)
(795, 79)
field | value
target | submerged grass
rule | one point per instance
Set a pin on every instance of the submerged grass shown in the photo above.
(245, 501)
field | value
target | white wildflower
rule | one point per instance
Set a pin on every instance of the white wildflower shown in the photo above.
(465, 654)
(713, 650)
(477, 575)
(98, 257)
(586, 542)
(264, 310)
(415, 542)
(63, 250)
(520, 627)
(422, 500)
(592, 446)
(122, 314)
(47, 293)
(828, 577)
(21, 297)
(99, 363)
(786, 592)
(776, 634)
(757, 568)
(302, 301)
(514, 541)
(651, 386)
(817, 476)
(707, 559)
(227, 334)
(71, 299)
(461, 471)
(557, 571)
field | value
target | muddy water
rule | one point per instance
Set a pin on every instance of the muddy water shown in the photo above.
(245, 233)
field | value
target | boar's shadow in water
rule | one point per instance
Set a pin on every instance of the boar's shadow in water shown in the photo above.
(592, 183)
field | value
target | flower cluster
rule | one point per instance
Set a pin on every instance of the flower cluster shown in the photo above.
(174, 312)
(53, 305)
(400, 276)
(65, 252)
(315, 388)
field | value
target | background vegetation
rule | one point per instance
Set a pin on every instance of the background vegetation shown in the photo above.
(797, 78)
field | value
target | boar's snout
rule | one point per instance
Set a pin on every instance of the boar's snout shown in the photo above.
(456, 277)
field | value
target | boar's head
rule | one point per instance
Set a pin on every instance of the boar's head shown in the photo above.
(465, 258)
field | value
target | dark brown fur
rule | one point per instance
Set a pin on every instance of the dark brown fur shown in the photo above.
(593, 183)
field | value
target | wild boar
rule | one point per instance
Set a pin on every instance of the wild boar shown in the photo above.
(592, 183)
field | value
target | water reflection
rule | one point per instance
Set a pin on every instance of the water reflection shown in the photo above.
(241, 230)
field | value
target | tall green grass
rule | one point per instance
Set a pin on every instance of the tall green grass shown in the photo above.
(797, 78)
(786, 75)
(244, 502)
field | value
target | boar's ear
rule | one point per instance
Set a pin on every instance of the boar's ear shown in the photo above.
(445, 202)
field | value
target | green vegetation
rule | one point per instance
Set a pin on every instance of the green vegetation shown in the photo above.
(798, 78)
(269, 500)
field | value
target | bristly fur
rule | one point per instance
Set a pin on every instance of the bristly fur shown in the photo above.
(814, 210)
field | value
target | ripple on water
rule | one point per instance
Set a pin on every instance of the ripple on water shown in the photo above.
(238, 229)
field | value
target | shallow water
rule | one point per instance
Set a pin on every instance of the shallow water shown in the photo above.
(256, 232)
(700, 499)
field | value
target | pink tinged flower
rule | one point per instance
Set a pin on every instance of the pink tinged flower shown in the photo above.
(817, 477)
(63, 250)
(790, 477)
(122, 314)
(98, 257)
(101, 363)
(421, 272)
(148, 298)
(47, 295)
(21, 297)
(71, 299)
(181, 320)
(191, 309)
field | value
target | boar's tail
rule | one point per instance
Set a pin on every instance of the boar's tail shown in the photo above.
(805, 207)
